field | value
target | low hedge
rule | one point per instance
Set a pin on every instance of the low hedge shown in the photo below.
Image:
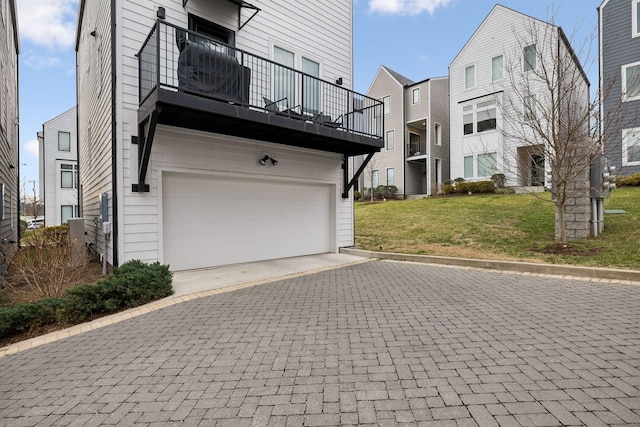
(628, 181)
(132, 284)
(464, 187)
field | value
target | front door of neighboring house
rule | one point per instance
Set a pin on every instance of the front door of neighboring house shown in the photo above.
(537, 170)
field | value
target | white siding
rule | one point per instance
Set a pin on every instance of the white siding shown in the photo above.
(321, 31)
(94, 116)
(54, 196)
(503, 32)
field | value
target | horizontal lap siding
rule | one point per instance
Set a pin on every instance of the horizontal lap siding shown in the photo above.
(495, 36)
(385, 85)
(94, 113)
(618, 48)
(319, 30)
(440, 115)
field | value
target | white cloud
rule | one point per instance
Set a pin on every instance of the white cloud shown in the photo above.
(405, 7)
(49, 23)
(41, 60)
(33, 148)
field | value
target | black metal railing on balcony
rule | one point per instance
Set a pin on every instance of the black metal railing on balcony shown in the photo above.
(177, 59)
(416, 148)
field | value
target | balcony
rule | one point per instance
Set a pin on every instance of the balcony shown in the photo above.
(189, 80)
(416, 149)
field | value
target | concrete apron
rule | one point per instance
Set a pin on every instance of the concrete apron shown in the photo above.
(193, 281)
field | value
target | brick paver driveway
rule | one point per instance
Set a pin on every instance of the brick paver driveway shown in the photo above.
(380, 343)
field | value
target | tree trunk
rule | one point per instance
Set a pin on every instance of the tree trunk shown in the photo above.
(561, 225)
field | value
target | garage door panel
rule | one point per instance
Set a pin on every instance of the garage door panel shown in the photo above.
(211, 221)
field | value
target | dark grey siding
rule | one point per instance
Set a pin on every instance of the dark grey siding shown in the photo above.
(618, 48)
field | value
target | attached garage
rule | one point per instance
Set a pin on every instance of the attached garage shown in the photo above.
(214, 220)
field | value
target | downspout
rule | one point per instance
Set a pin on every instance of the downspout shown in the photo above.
(114, 139)
(404, 142)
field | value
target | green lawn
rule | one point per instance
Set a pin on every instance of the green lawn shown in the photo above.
(508, 227)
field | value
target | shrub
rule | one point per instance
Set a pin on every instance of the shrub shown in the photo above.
(628, 181)
(458, 180)
(44, 264)
(482, 187)
(356, 195)
(498, 180)
(134, 283)
(385, 192)
(448, 189)
(505, 190)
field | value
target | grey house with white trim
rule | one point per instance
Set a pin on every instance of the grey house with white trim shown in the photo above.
(415, 157)
(619, 54)
(215, 132)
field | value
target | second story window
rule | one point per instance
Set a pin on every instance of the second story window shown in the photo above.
(480, 116)
(530, 57)
(391, 144)
(470, 77)
(416, 95)
(631, 81)
(530, 108)
(311, 92)
(64, 141)
(284, 79)
(68, 176)
(437, 131)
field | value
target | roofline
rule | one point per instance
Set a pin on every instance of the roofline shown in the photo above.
(14, 15)
(572, 52)
(427, 79)
(79, 23)
(386, 70)
(60, 115)
(487, 17)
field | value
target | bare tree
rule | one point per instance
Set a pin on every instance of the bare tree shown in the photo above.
(369, 170)
(549, 114)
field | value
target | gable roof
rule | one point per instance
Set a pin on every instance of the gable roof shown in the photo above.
(404, 81)
(486, 19)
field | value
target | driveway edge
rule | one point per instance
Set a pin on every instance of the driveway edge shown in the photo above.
(513, 266)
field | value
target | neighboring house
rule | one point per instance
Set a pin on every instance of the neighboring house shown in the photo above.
(619, 48)
(59, 168)
(9, 141)
(492, 72)
(202, 143)
(416, 123)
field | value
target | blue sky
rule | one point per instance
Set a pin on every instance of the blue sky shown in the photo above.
(417, 38)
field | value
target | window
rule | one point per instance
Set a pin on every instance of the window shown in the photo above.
(283, 79)
(468, 167)
(631, 81)
(486, 115)
(391, 176)
(497, 68)
(211, 32)
(66, 212)
(311, 86)
(68, 176)
(530, 54)
(635, 13)
(486, 164)
(386, 101)
(64, 141)
(530, 107)
(437, 134)
(391, 144)
(416, 95)
(631, 147)
(374, 179)
(470, 77)
(467, 119)
(438, 171)
(483, 113)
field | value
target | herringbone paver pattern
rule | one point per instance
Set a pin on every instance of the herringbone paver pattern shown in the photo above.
(379, 343)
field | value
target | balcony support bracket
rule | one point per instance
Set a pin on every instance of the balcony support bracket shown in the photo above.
(145, 142)
(347, 185)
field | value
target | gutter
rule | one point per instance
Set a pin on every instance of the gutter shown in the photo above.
(114, 139)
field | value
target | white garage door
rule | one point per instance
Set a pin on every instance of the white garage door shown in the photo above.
(210, 221)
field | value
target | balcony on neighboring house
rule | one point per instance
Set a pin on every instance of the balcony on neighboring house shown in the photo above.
(191, 81)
